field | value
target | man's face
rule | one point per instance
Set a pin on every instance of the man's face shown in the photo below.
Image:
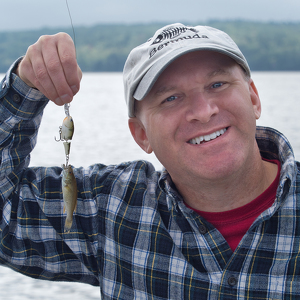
(199, 118)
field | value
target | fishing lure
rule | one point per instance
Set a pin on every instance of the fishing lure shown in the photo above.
(66, 132)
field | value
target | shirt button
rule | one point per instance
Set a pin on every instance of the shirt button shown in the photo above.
(202, 229)
(232, 281)
(16, 98)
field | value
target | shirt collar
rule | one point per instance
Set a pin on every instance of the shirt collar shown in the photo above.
(274, 145)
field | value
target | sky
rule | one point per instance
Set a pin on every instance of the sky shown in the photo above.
(35, 14)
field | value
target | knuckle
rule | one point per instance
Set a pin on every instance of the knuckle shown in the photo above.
(66, 58)
(40, 73)
(53, 66)
(63, 38)
(63, 35)
(44, 39)
(32, 50)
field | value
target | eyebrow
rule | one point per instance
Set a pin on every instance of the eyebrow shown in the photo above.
(164, 89)
(218, 72)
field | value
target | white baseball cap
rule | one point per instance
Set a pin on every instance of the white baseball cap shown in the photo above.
(146, 62)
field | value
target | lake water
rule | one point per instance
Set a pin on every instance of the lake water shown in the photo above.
(102, 135)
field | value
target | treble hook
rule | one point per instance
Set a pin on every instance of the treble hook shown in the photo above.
(60, 132)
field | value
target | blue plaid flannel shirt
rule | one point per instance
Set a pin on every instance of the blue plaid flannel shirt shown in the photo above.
(132, 234)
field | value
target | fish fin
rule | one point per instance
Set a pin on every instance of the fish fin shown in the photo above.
(68, 225)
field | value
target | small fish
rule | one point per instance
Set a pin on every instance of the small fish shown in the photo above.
(67, 129)
(69, 189)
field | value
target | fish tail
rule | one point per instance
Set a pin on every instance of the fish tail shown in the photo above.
(68, 225)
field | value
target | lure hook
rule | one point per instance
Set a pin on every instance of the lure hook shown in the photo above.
(60, 132)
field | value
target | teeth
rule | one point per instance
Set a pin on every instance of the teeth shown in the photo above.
(207, 137)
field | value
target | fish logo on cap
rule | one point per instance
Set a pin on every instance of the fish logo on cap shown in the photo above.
(171, 33)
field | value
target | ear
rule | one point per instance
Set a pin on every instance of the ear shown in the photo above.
(138, 132)
(255, 99)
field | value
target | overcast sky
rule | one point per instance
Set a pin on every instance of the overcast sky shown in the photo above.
(30, 14)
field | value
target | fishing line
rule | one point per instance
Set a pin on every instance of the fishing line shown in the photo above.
(66, 106)
(74, 37)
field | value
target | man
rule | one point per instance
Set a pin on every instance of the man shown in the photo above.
(220, 222)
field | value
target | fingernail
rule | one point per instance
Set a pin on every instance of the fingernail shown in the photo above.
(58, 101)
(65, 98)
(74, 89)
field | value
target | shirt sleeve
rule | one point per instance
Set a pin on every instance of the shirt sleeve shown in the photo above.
(21, 109)
(31, 206)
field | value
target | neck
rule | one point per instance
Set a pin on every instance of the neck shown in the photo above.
(230, 192)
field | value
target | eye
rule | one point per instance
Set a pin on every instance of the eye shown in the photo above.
(217, 85)
(170, 99)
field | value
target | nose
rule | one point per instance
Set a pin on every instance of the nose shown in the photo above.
(201, 108)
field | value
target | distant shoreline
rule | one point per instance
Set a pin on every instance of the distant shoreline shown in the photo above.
(268, 46)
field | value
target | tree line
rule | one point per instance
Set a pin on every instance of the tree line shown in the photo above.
(267, 46)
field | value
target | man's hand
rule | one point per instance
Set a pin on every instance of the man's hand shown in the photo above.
(50, 66)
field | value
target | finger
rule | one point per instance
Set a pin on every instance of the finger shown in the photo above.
(72, 72)
(29, 67)
(60, 61)
(33, 68)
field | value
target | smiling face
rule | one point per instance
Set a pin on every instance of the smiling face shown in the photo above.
(199, 119)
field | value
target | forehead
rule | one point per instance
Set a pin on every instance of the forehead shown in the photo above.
(206, 63)
(203, 59)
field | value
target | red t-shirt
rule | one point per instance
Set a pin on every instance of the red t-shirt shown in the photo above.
(233, 224)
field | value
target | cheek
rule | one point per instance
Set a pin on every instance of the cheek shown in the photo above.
(243, 108)
(160, 132)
